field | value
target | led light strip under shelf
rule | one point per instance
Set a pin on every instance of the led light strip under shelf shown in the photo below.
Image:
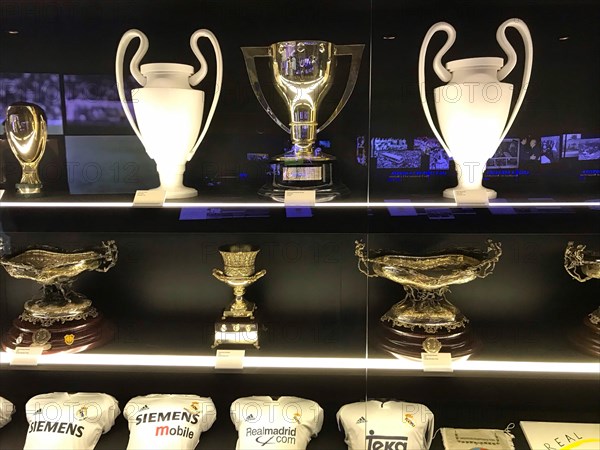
(262, 362)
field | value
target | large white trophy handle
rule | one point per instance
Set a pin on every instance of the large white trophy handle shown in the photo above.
(133, 68)
(521, 27)
(439, 69)
(199, 76)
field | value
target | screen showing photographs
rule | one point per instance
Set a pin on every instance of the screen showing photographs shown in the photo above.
(576, 146)
(42, 89)
(92, 104)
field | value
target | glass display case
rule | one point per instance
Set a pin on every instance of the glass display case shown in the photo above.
(318, 317)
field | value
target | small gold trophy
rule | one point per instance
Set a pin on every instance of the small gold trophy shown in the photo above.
(26, 132)
(238, 325)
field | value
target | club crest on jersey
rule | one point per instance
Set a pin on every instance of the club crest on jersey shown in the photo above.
(408, 418)
(193, 408)
(297, 417)
(81, 413)
(376, 442)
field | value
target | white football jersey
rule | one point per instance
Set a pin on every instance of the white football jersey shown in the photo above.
(7, 409)
(389, 425)
(284, 423)
(64, 421)
(168, 421)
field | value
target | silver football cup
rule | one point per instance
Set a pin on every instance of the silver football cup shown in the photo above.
(26, 132)
(303, 73)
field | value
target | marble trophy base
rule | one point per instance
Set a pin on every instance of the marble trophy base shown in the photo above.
(295, 173)
(587, 337)
(70, 337)
(236, 332)
(403, 342)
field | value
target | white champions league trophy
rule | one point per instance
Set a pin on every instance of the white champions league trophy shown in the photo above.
(473, 107)
(168, 111)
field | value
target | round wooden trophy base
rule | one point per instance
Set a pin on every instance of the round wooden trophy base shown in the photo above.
(69, 337)
(587, 338)
(402, 342)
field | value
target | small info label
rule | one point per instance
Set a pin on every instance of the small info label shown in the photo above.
(436, 362)
(230, 359)
(300, 198)
(26, 356)
(150, 198)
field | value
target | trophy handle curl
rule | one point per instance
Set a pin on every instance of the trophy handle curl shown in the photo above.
(523, 30)
(355, 51)
(574, 259)
(110, 256)
(257, 276)
(439, 69)
(486, 267)
(363, 259)
(219, 275)
(260, 52)
(201, 74)
(133, 68)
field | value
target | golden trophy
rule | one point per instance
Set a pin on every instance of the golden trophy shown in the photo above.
(238, 325)
(425, 321)
(584, 265)
(59, 319)
(303, 72)
(26, 132)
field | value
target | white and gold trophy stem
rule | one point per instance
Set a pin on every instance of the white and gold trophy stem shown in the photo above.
(168, 111)
(473, 108)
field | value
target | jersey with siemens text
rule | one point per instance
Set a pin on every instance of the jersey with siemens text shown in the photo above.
(168, 421)
(284, 423)
(391, 425)
(64, 421)
(7, 409)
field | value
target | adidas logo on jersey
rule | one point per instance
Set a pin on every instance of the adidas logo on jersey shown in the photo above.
(144, 408)
(361, 420)
(38, 411)
(250, 418)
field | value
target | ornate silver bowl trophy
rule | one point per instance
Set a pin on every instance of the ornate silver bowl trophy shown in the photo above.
(238, 325)
(303, 73)
(425, 321)
(584, 265)
(26, 132)
(59, 319)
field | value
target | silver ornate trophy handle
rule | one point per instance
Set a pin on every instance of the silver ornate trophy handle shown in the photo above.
(574, 259)
(355, 51)
(439, 69)
(260, 52)
(199, 76)
(523, 30)
(486, 267)
(133, 68)
(110, 256)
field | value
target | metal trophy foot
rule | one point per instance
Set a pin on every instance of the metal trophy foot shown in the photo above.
(425, 321)
(59, 319)
(238, 325)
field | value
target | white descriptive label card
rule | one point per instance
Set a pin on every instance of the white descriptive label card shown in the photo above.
(300, 198)
(436, 362)
(150, 198)
(1, 193)
(230, 359)
(471, 197)
(26, 356)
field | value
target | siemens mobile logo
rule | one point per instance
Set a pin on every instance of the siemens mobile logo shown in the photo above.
(375, 442)
(166, 416)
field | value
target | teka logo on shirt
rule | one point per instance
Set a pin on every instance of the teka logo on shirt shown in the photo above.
(375, 442)
(271, 436)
